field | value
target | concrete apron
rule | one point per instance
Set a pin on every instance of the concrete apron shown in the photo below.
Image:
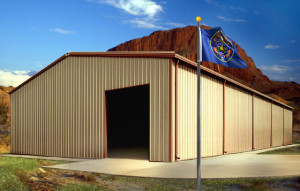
(247, 164)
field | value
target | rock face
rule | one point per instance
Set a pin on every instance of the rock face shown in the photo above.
(4, 104)
(184, 42)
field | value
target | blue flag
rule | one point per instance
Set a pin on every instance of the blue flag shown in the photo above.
(219, 49)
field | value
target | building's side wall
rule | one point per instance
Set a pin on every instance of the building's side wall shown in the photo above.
(211, 116)
(277, 125)
(62, 111)
(238, 120)
(262, 123)
(172, 108)
(288, 127)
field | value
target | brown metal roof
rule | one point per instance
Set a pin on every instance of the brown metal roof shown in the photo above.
(151, 54)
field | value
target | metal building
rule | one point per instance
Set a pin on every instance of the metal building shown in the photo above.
(96, 104)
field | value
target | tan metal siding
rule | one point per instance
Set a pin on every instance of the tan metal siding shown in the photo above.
(211, 116)
(277, 125)
(262, 123)
(172, 70)
(288, 127)
(238, 120)
(187, 133)
(62, 111)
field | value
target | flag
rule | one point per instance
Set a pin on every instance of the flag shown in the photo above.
(219, 49)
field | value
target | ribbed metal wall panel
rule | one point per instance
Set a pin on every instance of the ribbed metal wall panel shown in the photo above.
(238, 120)
(172, 97)
(211, 116)
(262, 123)
(277, 125)
(288, 127)
(62, 111)
(187, 109)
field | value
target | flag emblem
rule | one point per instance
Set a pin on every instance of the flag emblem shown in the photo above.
(221, 46)
(218, 48)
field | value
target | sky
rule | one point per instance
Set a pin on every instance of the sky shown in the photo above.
(34, 33)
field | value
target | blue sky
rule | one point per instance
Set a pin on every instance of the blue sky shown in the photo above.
(34, 33)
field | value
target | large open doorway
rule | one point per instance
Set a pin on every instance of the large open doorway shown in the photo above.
(128, 122)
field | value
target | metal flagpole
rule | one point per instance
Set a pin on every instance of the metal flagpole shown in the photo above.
(199, 59)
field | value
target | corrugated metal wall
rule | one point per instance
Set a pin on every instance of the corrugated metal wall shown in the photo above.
(277, 125)
(212, 115)
(62, 111)
(288, 127)
(262, 123)
(238, 120)
(187, 107)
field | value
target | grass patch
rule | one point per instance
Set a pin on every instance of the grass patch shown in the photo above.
(82, 187)
(13, 171)
(285, 151)
(16, 173)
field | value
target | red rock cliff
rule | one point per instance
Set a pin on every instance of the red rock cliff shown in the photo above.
(184, 42)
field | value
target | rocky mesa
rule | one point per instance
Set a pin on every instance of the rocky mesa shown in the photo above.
(184, 42)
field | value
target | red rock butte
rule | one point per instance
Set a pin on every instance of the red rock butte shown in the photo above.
(184, 42)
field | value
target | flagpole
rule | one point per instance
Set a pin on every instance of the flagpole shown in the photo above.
(199, 60)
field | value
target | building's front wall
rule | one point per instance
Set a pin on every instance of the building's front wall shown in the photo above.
(62, 111)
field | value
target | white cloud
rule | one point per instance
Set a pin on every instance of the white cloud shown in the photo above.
(146, 24)
(238, 8)
(276, 69)
(214, 3)
(231, 20)
(39, 64)
(172, 24)
(271, 46)
(292, 61)
(61, 31)
(145, 12)
(134, 7)
(282, 72)
(292, 41)
(13, 78)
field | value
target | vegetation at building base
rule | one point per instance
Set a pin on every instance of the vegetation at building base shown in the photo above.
(4, 139)
(295, 150)
(28, 174)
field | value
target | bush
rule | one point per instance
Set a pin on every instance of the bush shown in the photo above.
(22, 175)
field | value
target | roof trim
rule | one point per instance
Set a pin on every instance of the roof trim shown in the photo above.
(151, 54)
(141, 54)
(39, 73)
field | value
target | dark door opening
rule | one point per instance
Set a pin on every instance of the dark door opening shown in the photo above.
(128, 122)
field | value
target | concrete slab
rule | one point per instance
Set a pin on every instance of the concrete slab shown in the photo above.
(247, 164)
